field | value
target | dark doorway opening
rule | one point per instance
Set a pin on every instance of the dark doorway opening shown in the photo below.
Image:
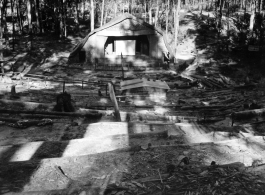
(139, 43)
(82, 56)
(142, 45)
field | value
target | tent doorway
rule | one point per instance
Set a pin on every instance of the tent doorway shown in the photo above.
(82, 55)
(127, 45)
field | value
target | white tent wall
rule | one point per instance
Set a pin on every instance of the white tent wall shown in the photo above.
(123, 30)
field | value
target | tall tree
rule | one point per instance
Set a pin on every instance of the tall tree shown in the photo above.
(157, 11)
(39, 5)
(252, 17)
(150, 12)
(36, 7)
(29, 6)
(76, 15)
(1, 36)
(13, 24)
(65, 17)
(145, 13)
(61, 25)
(102, 13)
(220, 13)
(92, 15)
(106, 15)
(176, 25)
(19, 16)
(167, 18)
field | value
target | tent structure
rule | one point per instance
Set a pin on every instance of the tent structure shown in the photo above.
(124, 40)
(155, 90)
(139, 83)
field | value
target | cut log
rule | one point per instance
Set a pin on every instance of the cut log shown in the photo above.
(40, 116)
(248, 113)
(92, 114)
(213, 82)
(249, 86)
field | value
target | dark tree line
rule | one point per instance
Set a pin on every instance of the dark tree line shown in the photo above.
(61, 17)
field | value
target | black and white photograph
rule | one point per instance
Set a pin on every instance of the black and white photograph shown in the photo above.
(132, 97)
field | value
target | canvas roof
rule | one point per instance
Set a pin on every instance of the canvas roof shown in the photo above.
(136, 83)
(137, 24)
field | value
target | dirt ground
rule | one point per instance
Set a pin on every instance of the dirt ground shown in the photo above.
(144, 153)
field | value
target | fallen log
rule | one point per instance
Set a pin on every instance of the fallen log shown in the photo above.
(213, 82)
(206, 83)
(41, 116)
(202, 107)
(92, 114)
(151, 106)
(28, 105)
(114, 100)
(248, 113)
(248, 87)
(20, 123)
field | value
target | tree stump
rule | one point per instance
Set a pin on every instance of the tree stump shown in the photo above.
(64, 103)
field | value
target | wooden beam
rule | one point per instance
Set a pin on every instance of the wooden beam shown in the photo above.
(114, 100)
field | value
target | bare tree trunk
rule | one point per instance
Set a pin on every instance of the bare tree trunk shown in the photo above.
(19, 17)
(102, 13)
(157, 11)
(92, 14)
(150, 13)
(228, 24)
(167, 18)
(145, 13)
(83, 9)
(252, 18)
(40, 16)
(106, 15)
(177, 8)
(220, 14)
(36, 6)
(60, 9)
(65, 18)
(1, 37)
(76, 16)
(29, 21)
(13, 25)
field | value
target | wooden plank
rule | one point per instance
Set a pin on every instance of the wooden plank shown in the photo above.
(114, 100)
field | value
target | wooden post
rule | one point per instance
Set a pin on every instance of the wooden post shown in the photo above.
(45, 82)
(13, 90)
(28, 84)
(232, 119)
(1, 55)
(106, 90)
(82, 85)
(114, 100)
(122, 68)
(63, 86)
